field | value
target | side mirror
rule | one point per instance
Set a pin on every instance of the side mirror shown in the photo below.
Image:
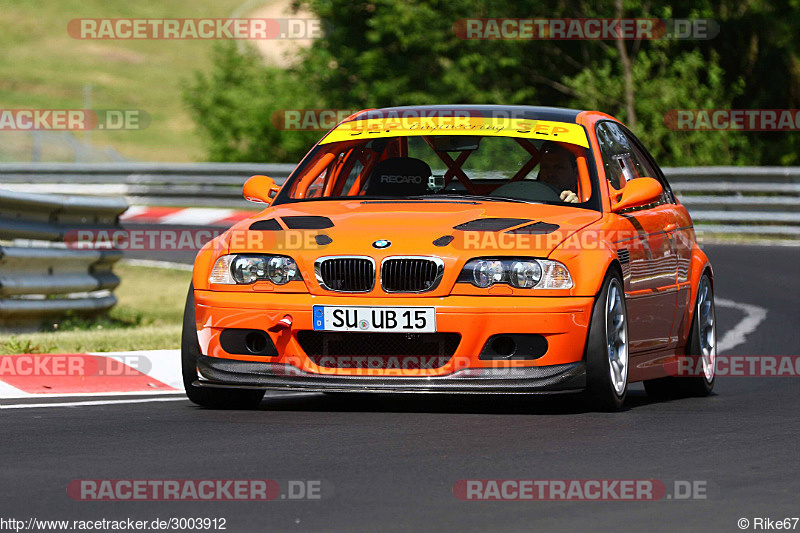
(261, 189)
(636, 193)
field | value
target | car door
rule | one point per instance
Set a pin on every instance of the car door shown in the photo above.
(679, 229)
(647, 242)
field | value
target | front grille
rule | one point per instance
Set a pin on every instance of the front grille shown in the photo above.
(411, 274)
(409, 351)
(345, 274)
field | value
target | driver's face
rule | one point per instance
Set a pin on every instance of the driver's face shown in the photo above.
(556, 169)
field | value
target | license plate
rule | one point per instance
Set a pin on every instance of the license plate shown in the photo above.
(396, 319)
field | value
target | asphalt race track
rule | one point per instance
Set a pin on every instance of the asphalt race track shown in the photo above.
(390, 463)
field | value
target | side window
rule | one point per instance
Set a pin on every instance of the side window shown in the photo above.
(646, 167)
(316, 187)
(616, 151)
(624, 158)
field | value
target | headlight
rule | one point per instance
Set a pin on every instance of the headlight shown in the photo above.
(245, 269)
(487, 273)
(525, 274)
(522, 273)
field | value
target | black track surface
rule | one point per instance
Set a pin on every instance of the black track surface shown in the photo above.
(392, 461)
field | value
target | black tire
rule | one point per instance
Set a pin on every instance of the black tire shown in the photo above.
(601, 393)
(207, 397)
(695, 385)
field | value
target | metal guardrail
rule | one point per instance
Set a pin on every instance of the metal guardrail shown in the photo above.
(173, 184)
(737, 200)
(39, 276)
(740, 200)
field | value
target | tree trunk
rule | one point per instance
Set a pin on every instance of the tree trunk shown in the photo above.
(627, 68)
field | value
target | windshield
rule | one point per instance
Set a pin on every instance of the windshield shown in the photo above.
(403, 164)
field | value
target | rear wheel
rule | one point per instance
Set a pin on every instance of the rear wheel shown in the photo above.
(701, 351)
(190, 351)
(607, 347)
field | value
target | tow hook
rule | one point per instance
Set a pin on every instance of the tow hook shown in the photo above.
(283, 323)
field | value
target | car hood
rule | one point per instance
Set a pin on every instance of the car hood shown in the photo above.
(425, 227)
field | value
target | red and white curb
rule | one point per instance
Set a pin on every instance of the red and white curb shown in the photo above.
(184, 216)
(90, 374)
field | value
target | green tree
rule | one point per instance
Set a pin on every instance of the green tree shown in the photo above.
(380, 53)
(233, 106)
(687, 78)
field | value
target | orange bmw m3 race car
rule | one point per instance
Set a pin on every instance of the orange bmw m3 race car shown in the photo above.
(456, 249)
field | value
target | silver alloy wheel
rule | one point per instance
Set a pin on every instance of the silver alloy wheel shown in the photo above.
(707, 328)
(616, 337)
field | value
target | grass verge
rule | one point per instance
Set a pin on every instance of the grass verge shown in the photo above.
(43, 67)
(148, 316)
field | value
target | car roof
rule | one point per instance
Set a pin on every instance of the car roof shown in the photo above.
(556, 114)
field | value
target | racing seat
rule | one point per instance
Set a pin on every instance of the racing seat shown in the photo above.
(399, 176)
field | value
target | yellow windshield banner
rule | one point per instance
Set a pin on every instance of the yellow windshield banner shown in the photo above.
(490, 127)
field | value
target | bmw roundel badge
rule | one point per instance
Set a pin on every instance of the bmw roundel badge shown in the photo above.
(381, 244)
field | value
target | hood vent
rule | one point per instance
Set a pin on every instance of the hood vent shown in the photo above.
(323, 240)
(443, 241)
(537, 228)
(491, 224)
(307, 222)
(266, 225)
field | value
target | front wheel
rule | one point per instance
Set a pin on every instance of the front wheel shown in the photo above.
(190, 351)
(607, 347)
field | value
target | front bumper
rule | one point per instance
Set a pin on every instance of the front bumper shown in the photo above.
(228, 373)
(562, 321)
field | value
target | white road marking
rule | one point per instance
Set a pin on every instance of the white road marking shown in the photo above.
(133, 211)
(754, 315)
(196, 215)
(163, 365)
(20, 394)
(7, 391)
(137, 400)
(89, 403)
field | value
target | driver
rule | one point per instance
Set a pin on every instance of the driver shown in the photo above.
(558, 169)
